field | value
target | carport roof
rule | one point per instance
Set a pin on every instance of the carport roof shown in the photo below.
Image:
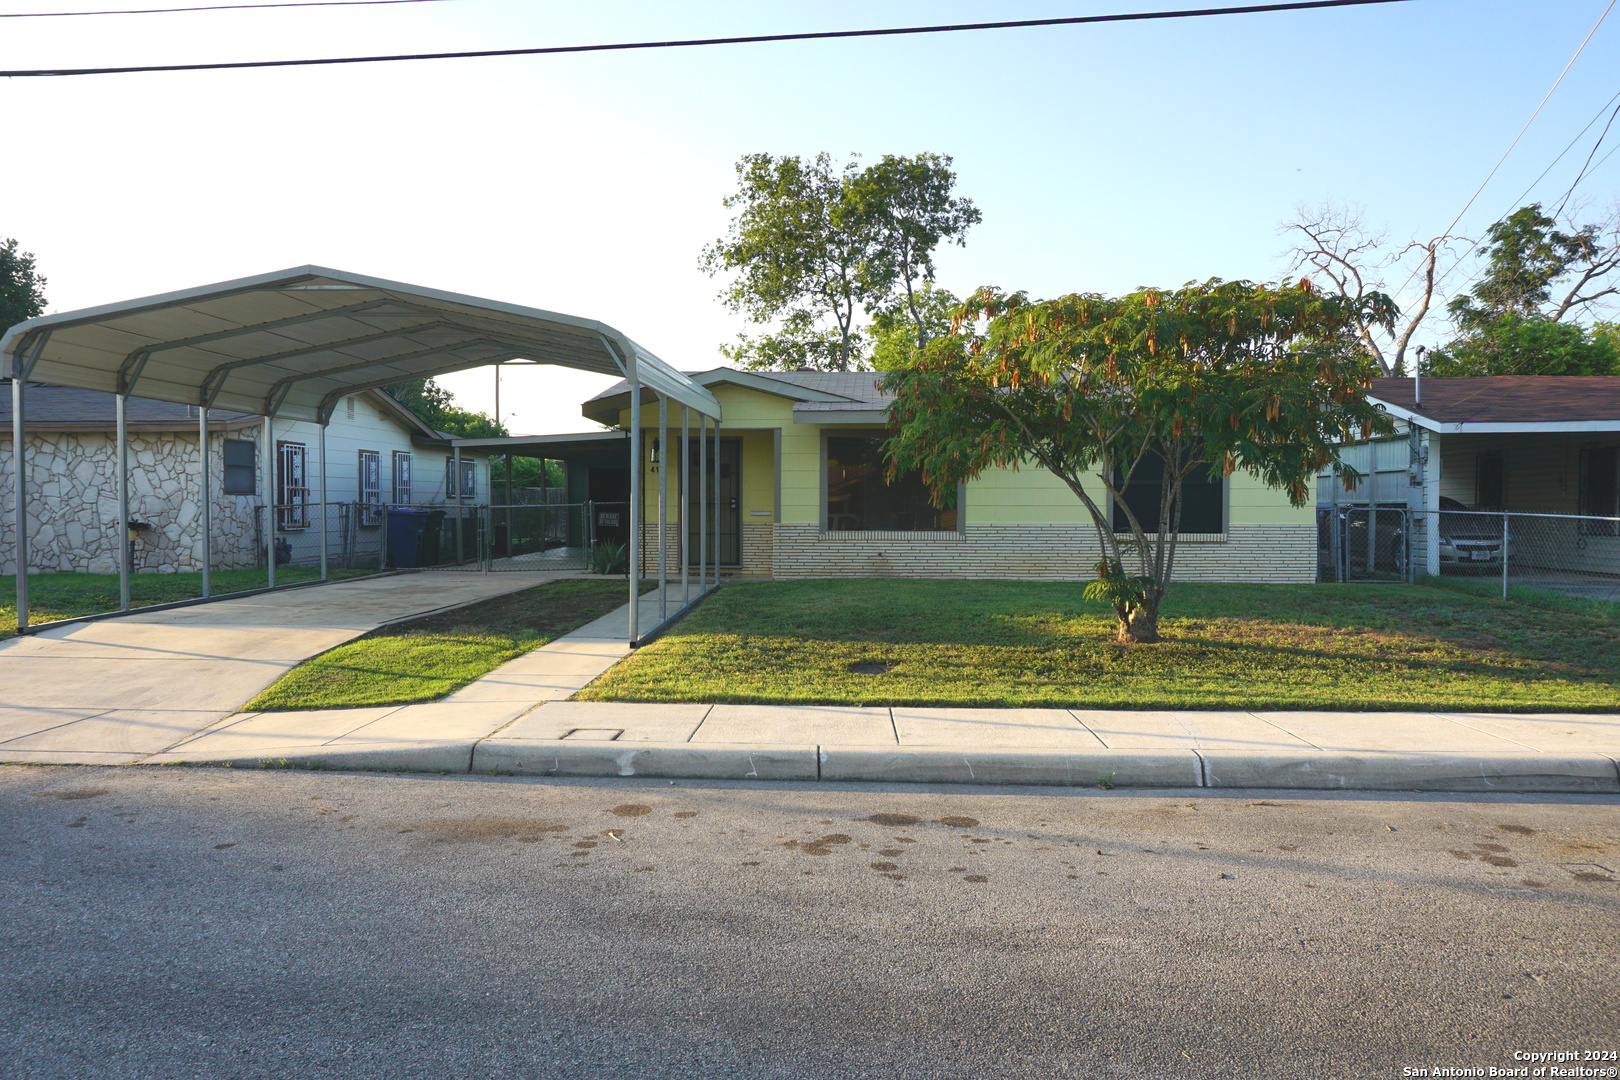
(295, 342)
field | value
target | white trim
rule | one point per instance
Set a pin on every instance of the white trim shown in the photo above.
(1466, 427)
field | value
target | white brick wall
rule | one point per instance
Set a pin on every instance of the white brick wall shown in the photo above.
(1266, 553)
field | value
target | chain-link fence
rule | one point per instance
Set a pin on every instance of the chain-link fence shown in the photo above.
(1576, 556)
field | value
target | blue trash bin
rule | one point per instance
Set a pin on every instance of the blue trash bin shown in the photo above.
(405, 527)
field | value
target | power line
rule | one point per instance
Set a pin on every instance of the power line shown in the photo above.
(207, 7)
(820, 35)
(1544, 99)
(1587, 164)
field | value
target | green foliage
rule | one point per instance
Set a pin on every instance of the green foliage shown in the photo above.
(1125, 593)
(1526, 255)
(896, 330)
(22, 290)
(606, 557)
(437, 408)
(814, 245)
(1513, 344)
(527, 472)
(1227, 375)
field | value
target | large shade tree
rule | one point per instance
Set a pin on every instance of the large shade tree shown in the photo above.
(22, 290)
(1099, 390)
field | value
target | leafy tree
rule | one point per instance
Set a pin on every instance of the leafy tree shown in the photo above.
(1221, 375)
(1518, 345)
(1534, 270)
(437, 408)
(896, 331)
(22, 290)
(813, 246)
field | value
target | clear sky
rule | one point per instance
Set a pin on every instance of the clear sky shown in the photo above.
(1103, 157)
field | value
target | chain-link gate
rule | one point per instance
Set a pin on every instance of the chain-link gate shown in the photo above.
(1360, 543)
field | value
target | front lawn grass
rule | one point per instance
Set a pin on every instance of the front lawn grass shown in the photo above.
(989, 644)
(72, 596)
(425, 659)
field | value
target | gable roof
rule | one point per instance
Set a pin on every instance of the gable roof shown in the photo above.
(67, 408)
(838, 395)
(1504, 403)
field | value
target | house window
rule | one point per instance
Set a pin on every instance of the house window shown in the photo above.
(1203, 502)
(370, 487)
(402, 477)
(1489, 482)
(860, 499)
(1600, 489)
(469, 478)
(292, 486)
(241, 467)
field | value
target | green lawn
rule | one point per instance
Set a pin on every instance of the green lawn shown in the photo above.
(427, 658)
(1356, 647)
(68, 596)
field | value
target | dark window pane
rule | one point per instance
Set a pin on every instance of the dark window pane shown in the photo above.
(859, 499)
(1489, 480)
(241, 467)
(1600, 489)
(1203, 502)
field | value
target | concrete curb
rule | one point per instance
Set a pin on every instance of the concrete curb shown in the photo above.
(689, 761)
(425, 755)
(1389, 771)
(1054, 768)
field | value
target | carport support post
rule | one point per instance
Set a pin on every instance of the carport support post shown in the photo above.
(205, 503)
(267, 470)
(684, 555)
(663, 507)
(19, 462)
(703, 502)
(717, 497)
(320, 448)
(125, 554)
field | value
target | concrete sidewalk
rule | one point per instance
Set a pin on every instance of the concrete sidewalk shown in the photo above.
(517, 720)
(114, 690)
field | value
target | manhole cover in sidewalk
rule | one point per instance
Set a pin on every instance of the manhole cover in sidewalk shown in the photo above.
(595, 734)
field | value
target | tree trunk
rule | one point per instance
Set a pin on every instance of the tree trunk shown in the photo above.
(1141, 626)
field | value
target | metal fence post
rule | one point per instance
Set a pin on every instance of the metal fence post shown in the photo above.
(1504, 555)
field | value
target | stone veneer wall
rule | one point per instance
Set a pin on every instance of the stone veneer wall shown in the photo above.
(1262, 553)
(73, 504)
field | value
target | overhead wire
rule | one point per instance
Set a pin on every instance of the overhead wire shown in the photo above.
(751, 39)
(210, 7)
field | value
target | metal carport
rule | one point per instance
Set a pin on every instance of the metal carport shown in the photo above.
(292, 344)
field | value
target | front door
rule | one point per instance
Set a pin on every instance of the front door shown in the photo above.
(730, 502)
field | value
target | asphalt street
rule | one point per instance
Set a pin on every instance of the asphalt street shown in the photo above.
(220, 923)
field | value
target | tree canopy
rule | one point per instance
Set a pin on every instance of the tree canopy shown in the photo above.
(814, 246)
(1097, 390)
(1514, 344)
(436, 407)
(22, 290)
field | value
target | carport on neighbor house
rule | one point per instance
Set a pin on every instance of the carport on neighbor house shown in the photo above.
(291, 345)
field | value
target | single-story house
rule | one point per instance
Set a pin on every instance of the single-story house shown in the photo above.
(803, 494)
(377, 453)
(1525, 445)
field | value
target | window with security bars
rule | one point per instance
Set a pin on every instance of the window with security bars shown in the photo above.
(402, 477)
(292, 486)
(1600, 489)
(469, 479)
(370, 488)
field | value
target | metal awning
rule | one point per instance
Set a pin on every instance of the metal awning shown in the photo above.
(295, 342)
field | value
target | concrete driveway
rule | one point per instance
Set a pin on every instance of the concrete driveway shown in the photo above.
(116, 689)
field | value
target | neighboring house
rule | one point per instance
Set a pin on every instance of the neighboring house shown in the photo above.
(1524, 444)
(377, 453)
(803, 495)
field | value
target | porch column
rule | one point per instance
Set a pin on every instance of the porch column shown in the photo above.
(125, 555)
(205, 503)
(703, 502)
(635, 498)
(663, 507)
(686, 520)
(1431, 503)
